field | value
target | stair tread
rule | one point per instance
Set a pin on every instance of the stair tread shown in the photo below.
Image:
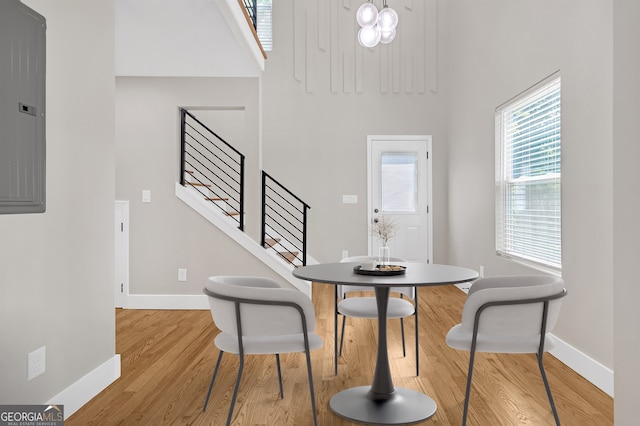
(290, 256)
(199, 184)
(216, 199)
(270, 242)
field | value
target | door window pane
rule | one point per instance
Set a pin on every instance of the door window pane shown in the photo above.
(399, 182)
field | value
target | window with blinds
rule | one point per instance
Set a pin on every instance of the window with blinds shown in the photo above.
(528, 176)
(264, 24)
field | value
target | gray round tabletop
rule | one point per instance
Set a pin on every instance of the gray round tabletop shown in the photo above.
(416, 274)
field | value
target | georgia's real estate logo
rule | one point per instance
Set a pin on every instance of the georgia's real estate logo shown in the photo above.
(31, 415)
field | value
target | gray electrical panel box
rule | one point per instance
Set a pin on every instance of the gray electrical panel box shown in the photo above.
(22, 109)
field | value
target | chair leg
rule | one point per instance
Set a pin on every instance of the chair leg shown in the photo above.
(548, 389)
(311, 391)
(468, 392)
(335, 330)
(404, 347)
(417, 347)
(415, 313)
(213, 379)
(235, 390)
(344, 318)
(279, 375)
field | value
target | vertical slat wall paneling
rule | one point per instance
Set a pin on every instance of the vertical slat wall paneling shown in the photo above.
(326, 30)
(335, 60)
(431, 44)
(299, 39)
(358, 52)
(385, 70)
(310, 45)
(408, 73)
(359, 67)
(347, 25)
(396, 64)
(324, 25)
(419, 63)
(421, 60)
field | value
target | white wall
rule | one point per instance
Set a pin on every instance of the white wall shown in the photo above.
(166, 234)
(56, 268)
(496, 49)
(626, 175)
(323, 94)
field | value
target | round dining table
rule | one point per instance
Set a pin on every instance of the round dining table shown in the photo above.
(382, 403)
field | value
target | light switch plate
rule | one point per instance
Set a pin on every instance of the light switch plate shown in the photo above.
(146, 196)
(182, 274)
(349, 199)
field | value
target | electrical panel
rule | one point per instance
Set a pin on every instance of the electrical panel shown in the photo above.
(22, 109)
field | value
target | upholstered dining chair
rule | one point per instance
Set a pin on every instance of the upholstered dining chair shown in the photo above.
(257, 316)
(509, 314)
(365, 306)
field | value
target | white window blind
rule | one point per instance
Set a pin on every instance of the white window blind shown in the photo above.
(528, 176)
(264, 24)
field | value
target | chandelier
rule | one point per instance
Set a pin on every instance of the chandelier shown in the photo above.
(376, 26)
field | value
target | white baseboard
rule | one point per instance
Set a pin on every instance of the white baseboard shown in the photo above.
(90, 385)
(598, 374)
(166, 301)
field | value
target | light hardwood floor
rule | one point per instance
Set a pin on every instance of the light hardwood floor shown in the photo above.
(168, 357)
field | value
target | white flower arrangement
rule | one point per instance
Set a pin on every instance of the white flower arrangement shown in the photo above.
(384, 228)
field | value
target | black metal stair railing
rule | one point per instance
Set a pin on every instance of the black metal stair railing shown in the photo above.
(252, 10)
(212, 166)
(284, 221)
(215, 169)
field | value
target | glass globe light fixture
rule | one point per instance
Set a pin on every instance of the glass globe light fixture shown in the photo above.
(387, 18)
(369, 36)
(387, 36)
(367, 15)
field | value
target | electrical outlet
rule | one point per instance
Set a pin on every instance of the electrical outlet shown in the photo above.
(36, 362)
(182, 274)
(146, 195)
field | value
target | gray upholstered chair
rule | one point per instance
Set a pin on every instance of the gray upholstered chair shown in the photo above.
(366, 307)
(257, 316)
(509, 314)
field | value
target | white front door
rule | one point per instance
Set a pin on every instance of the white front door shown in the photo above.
(399, 183)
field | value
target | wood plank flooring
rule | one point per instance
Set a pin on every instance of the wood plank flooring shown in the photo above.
(168, 357)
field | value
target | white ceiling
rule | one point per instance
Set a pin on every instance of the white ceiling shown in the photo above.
(186, 38)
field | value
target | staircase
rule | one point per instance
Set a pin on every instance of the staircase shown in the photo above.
(212, 183)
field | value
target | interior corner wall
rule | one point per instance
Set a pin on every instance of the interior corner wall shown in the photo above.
(56, 268)
(495, 50)
(626, 175)
(165, 234)
(323, 94)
